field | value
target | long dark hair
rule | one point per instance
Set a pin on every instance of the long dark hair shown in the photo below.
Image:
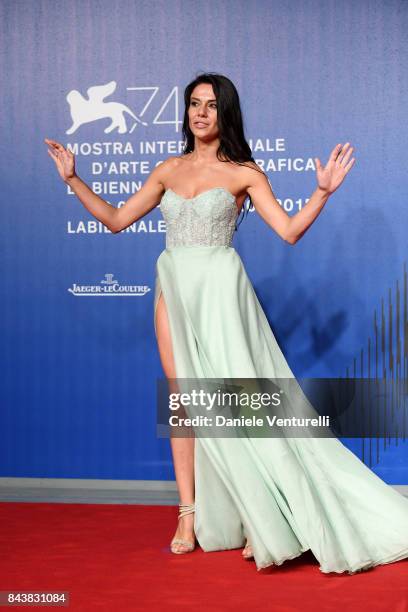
(233, 145)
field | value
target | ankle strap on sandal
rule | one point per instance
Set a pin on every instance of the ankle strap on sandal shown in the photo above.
(186, 509)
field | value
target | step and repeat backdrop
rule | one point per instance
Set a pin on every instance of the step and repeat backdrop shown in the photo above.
(106, 79)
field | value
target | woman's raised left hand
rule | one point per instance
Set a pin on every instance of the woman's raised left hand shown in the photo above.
(330, 177)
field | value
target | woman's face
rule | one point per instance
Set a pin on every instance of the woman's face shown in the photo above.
(202, 112)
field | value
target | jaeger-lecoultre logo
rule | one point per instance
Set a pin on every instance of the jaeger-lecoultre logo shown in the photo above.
(108, 287)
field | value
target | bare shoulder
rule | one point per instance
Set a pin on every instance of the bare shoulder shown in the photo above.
(252, 175)
(174, 160)
(163, 170)
(166, 170)
(170, 164)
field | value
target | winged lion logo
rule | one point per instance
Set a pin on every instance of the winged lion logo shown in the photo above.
(85, 111)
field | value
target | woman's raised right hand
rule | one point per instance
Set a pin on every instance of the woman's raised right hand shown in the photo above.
(64, 159)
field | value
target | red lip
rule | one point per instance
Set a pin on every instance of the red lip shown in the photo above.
(203, 122)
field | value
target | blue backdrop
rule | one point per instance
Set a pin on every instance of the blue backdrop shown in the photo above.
(79, 370)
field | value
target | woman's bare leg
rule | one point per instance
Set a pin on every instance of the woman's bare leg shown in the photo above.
(182, 448)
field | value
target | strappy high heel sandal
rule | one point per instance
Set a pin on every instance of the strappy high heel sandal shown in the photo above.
(247, 552)
(184, 510)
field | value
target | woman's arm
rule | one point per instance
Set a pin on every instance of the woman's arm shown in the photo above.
(292, 228)
(144, 200)
(115, 219)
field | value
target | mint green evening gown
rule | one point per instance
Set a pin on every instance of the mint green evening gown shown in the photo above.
(286, 495)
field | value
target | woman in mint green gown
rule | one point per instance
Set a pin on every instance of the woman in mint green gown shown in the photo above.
(283, 495)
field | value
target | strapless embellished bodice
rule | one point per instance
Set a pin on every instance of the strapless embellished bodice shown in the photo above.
(206, 220)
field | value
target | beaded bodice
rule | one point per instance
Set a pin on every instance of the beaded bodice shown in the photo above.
(208, 219)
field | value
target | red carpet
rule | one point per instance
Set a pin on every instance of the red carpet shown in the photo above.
(116, 557)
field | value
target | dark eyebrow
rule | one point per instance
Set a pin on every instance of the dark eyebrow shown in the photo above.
(194, 98)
